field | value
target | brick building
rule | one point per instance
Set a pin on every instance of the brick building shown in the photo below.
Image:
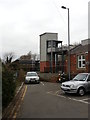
(79, 58)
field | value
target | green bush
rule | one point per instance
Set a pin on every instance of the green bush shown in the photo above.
(8, 87)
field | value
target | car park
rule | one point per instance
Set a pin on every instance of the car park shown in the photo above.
(32, 77)
(80, 84)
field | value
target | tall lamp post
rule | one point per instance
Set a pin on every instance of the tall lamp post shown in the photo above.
(68, 41)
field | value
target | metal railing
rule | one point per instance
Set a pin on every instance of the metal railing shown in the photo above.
(54, 69)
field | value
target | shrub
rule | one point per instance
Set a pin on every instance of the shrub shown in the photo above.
(8, 87)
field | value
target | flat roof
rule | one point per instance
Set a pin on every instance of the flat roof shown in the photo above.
(47, 33)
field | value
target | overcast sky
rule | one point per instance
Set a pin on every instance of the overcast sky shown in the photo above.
(22, 21)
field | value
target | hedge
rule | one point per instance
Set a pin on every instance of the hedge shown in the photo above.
(8, 87)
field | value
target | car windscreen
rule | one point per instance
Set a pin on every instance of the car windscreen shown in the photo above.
(80, 77)
(31, 74)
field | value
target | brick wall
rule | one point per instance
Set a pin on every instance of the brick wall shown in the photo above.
(44, 64)
(73, 66)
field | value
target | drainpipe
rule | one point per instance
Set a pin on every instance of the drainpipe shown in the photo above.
(51, 57)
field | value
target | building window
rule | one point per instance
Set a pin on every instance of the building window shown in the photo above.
(54, 44)
(49, 44)
(81, 61)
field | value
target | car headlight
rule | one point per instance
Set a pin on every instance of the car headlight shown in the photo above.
(37, 78)
(72, 86)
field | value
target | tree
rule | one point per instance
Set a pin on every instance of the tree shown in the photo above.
(76, 43)
(29, 53)
(34, 56)
(8, 57)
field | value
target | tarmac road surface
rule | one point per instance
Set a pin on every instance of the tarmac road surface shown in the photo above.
(46, 100)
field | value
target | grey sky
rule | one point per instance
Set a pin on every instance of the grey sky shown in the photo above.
(22, 21)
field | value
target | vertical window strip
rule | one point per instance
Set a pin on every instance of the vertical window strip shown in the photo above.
(81, 61)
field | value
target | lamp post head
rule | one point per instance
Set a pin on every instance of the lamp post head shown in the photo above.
(63, 7)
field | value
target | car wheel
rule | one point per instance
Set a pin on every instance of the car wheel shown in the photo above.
(81, 91)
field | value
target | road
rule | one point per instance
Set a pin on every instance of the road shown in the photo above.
(46, 100)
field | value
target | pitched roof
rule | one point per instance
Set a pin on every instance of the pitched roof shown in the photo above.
(80, 49)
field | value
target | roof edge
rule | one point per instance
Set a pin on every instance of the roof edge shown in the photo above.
(47, 33)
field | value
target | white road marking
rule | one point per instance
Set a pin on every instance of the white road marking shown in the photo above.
(57, 91)
(78, 100)
(86, 99)
(61, 96)
(56, 94)
(51, 92)
(42, 83)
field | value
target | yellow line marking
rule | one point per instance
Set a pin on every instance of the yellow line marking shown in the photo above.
(24, 92)
(15, 115)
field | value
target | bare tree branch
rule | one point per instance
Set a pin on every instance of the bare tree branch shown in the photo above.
(8, 57)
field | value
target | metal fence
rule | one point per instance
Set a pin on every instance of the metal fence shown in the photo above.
(54, 69)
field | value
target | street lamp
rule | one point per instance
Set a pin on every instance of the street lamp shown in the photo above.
(63, 7)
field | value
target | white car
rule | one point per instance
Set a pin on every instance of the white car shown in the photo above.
(32, 77)
(79, 84)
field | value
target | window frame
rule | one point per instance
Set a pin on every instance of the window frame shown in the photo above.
(81, 61)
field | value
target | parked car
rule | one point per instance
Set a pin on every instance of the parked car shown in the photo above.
(80, 84)
(32, 77)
